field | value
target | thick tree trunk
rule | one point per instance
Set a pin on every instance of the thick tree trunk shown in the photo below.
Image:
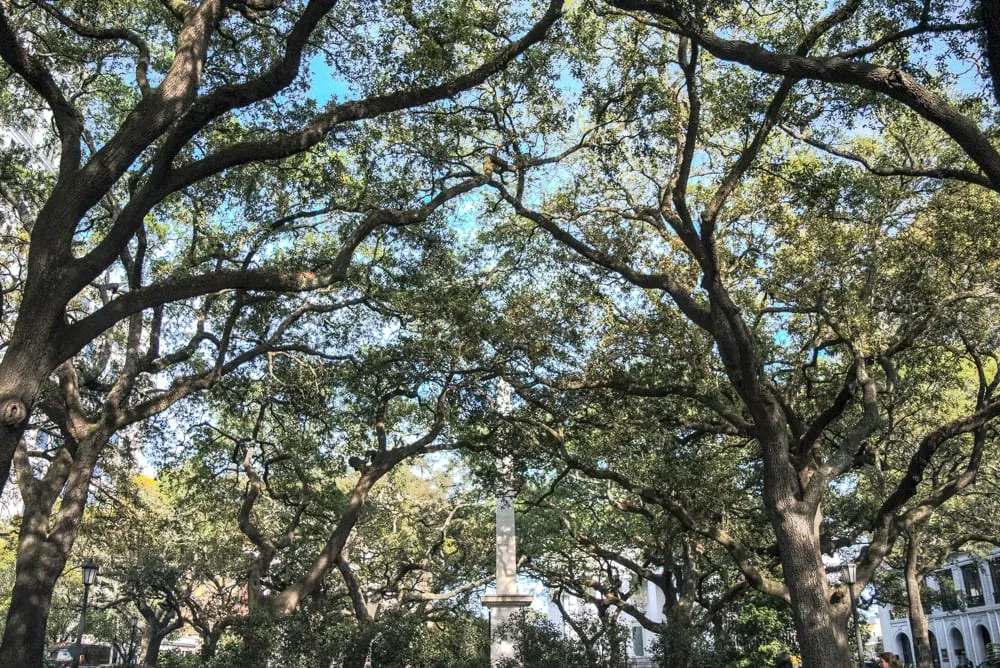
(38, 568)
(210, 643)
(28, 360)
(821, 627)
(678, 636)
(918, 625)
(21, 373)
(822, 632)
(10, 436)
(44, 545)
(152, 655)
(918, 622)
(990, 10)
(616, 646)
(159, 625)
(24, 635)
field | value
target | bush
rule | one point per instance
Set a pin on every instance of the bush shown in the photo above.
(542, 644)
(173, 660)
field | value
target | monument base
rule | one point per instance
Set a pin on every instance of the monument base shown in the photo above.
(502, 608)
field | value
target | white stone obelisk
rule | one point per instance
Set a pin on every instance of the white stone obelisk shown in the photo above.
(506, 601)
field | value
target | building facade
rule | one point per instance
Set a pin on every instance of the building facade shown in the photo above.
(641, 643)
(963, 618)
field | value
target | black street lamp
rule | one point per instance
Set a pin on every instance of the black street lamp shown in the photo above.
(131, 644)
(851, 575)
(89, 569)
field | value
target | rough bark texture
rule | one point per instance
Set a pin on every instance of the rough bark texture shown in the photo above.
(918, 622)
(289, 599)
(679, 635)
(160, 623)
(23, 368)
(44, 545)
(822, 633)
(821, 627)
(152, 655)
(24, 635)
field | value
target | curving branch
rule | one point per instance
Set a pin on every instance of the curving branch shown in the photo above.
(187, 385)
(727, 541)
(289, 144)
(334, 271)
(888, 521)
(940, 173)
(157, 111)
(739, 424)
(68, 119)
(893, 83)
(681, 294)
(772, 115)
(923, 28)
(121, 34)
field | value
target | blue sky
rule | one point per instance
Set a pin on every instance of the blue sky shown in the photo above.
(324, 84)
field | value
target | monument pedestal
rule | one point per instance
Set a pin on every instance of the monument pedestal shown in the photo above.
(502, 608)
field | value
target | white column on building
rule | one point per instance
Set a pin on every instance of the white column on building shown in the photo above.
(654, 609)
(506, 601)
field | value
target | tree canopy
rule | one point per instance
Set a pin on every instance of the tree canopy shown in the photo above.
(736, 260)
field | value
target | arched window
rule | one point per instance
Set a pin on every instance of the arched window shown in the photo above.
(905, 649)
(958, 646)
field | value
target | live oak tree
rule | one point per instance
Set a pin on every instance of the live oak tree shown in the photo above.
(169, 559)
(96, 409)
(170, 124)
(885, 64)
(632, 481)
(604, 546)
(926, 392)
(702, 211)
(309, 449)
(964, 525)
(417, 558)
(180, 560)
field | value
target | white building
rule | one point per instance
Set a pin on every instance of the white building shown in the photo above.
(967, 622)
(36, 136)
(649, 599)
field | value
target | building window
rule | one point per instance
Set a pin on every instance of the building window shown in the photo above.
(638, 649)
(947, 589)
(973, 585)
(995, 577)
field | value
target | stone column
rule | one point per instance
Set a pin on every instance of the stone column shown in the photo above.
(506, 601)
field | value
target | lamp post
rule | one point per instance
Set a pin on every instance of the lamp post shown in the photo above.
(89, 569)
(851, 575)
(131, 645)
